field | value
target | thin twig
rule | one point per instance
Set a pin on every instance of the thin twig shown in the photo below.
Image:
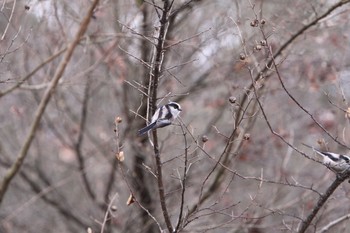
(221, 162)
(123, 173)
(133, 56)
(137, 33)
(78, 144)
(183, 181)
(333, 223)
(292, 39)
(20, 82)
(293, 98)
(182, 7)
(189, 38)
(107, 213)
(10, 19)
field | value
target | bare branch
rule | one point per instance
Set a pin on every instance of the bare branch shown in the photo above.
(156, 71)
(78, 144)
(183, 181)
(322, 200)
(334, 223)
(10, 174)
(10, 19)
(20, 82)
(107, 213)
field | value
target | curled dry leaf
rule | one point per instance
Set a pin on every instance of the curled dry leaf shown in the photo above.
(131, 200)
(347, 113)
(120, 156)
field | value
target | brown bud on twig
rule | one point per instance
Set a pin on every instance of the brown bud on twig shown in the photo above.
(257, 47)
(262, 21)
(118, 120)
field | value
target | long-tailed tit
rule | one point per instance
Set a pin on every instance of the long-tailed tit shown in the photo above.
(336, 162)
(163, 116)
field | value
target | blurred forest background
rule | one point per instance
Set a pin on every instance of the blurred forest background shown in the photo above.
(255, 79)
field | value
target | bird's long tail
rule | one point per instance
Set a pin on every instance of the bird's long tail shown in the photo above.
(314, 149)
(146, 129)
(323, 154)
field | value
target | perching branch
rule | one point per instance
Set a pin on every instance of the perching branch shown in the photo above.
(13, 170)
(154, 78)
(322, 200)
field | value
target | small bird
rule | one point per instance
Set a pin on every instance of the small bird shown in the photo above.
(336, 162)
(163, 116)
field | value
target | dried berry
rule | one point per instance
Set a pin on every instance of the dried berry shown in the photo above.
(254, 23)
(347, 113)
(118, 120)
(204, 138)
(246, 136)
(242, 56)
(232, 99)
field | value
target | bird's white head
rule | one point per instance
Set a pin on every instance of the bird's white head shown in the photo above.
(175, 109)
